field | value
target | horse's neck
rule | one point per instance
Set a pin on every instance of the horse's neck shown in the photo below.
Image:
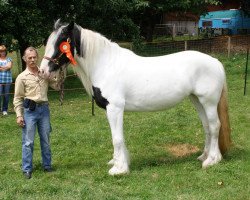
(98, 52)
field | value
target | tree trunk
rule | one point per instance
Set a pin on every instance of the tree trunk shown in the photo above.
(151, 18)
(150, 31)
(22, 49)
(22, 44)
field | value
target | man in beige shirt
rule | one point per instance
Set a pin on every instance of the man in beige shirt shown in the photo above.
(32, 111)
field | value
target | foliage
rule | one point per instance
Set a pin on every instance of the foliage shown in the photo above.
(29, 22)
(3, 2)
(22, 22)
(108, 17)
(245, 6)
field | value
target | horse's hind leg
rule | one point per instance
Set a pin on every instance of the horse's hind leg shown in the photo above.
(214, 155)
(120, 159)
(204, 120)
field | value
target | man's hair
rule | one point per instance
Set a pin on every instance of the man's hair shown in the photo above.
(29, 49)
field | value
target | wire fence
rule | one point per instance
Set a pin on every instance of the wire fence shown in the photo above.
(228, 45)
(177, 28)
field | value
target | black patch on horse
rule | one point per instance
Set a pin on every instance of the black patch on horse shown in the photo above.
(99, 99)
(77, 40)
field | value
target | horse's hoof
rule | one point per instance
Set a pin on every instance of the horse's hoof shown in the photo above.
(202, 157)
(111, 162)
(211, 161)
(114, 171)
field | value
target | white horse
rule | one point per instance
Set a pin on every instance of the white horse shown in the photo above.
(120, 80)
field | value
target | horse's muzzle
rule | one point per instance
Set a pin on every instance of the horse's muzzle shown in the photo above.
(43, 74)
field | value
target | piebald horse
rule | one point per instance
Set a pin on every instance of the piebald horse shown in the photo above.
(119, 80)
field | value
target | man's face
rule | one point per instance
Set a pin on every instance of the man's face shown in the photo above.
(31, 59)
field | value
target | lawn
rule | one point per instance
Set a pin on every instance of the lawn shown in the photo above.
(163, 148)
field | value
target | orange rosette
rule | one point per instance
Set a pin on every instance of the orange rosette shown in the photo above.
(65, 48)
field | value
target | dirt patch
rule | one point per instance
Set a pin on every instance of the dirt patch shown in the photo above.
(181, 150)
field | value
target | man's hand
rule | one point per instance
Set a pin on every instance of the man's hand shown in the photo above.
(20, 121)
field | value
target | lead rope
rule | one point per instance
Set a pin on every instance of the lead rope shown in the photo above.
(61, 93)
(61, 82)
(61, 90)
(93, 106)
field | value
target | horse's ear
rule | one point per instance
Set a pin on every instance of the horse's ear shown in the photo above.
(70, 27)
(57, 24)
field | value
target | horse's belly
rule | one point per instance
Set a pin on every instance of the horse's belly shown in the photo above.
(156, 91)
(152, 103)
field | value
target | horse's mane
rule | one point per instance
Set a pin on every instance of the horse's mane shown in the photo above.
(93, 45)
(92, 42)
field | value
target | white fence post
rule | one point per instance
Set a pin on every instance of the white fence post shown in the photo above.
(174, 31)
(186, 46)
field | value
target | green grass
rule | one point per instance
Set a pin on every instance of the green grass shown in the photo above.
(81, 147)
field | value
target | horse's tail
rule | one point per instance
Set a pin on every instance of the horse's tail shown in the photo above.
(225, 131)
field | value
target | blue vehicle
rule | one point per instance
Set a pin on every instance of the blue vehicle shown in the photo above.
(225, 22)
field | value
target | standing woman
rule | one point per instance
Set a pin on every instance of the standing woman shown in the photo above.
(5, 79)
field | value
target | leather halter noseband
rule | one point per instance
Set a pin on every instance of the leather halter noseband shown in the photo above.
(56, 60)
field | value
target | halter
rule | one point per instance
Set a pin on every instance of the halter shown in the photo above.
(65, 49)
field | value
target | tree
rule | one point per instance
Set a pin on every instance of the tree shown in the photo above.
(109, 17)
(245, 6)
(21, 25)
(28, 22)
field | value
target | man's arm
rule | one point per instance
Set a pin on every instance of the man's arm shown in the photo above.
(18, 100)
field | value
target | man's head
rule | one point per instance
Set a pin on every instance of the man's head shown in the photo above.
(30, 57)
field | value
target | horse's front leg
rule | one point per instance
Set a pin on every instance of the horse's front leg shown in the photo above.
(120, 159)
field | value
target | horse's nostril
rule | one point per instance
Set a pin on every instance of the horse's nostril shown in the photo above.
(41, 72)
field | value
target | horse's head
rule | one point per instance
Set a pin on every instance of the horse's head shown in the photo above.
(60, 49)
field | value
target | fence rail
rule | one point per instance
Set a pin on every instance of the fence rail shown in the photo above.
(224, 44)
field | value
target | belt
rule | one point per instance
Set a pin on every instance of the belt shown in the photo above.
(42, 103)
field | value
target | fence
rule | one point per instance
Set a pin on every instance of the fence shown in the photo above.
(176, 28)
(226, 44)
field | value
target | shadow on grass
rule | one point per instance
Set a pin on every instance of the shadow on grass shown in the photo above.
(237, 153)
(166, 159)
(139, 164)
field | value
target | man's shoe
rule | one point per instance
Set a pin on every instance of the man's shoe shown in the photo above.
(5, 113)
(27, 175)
(48, 170)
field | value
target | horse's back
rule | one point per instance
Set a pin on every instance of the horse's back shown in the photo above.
(155, 83)
(180, 62)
